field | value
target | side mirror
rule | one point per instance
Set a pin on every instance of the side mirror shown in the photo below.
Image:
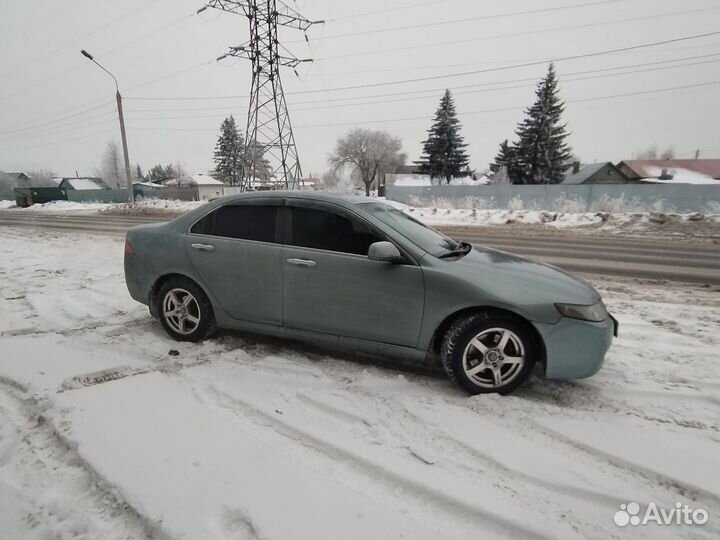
(384, 252)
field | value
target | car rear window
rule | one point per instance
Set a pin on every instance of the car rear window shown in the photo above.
(246, 222)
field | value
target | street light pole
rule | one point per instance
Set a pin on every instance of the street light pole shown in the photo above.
(118, 98)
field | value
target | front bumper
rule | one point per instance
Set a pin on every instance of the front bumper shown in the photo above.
(576, 349)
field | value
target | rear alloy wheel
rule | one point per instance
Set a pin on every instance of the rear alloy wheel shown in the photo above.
(485, 354)
(184, 310)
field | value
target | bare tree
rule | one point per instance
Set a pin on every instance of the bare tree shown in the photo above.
(111, 167)
(500, 177)
(649, 153)
(181, 174)
(330, 179)
(41, 178)
(369, 153)
(668, 153)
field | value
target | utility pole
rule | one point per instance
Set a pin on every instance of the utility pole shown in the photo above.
(269, 133)
(118, 99)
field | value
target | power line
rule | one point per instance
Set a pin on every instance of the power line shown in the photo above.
(386, 10)
(459, 74)
(516, 66)
(582, 100)
(395, 69)
(68, 71)
(468, 19)
(432, 95)
(404, 94)
(484, 111)
(61, 141)
(515, 34)
(107, 118)
(173, 74)
(61, 119)
(78, 40)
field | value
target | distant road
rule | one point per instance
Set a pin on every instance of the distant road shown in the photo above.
(585, 253)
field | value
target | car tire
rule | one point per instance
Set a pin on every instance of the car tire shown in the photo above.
(476, 359)
(184, 310)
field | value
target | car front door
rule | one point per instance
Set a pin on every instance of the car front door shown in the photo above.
(235, 251)
(330, 285)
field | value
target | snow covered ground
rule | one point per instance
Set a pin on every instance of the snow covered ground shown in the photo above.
(104, 434)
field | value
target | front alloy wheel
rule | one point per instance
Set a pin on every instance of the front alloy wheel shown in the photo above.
(486, 353)
(494, 358)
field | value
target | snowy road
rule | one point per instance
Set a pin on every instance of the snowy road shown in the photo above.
(103, 434)
(599, 253)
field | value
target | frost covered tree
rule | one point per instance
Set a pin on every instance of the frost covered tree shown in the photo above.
(263, 169)
(500, 177)
(506, 159)
(112, 170)
(444, 153)
(370, 154)
(139, 173)
(228, 155)
(542, 153)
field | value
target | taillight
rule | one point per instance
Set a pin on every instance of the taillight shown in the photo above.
(129, 251)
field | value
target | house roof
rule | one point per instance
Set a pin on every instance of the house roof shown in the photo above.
(149, 184)
(17, 175)
(584, 173)
(647, 168)
(205, 180)
(84, 183)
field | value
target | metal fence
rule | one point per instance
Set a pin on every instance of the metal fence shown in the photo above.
(571, 198)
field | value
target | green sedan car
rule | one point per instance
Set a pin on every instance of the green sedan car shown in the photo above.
(360, 275)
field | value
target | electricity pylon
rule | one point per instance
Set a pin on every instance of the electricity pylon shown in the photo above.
(269, 134)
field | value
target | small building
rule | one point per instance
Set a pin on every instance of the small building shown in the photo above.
(689, 171)
(596, 173)
(82, 183)
(310, 183)
(207, 186)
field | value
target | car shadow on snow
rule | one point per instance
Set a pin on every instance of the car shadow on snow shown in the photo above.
(536, 389)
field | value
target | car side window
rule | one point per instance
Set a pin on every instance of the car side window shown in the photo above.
(243, 221)
(321, 229)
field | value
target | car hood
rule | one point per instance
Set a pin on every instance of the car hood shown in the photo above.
(522, 280)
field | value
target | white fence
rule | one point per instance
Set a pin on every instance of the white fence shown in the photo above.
(572, 198)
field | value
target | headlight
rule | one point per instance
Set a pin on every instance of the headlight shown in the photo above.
(594, 313)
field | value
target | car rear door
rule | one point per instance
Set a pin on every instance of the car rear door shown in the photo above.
(235, 251)
(330, 285)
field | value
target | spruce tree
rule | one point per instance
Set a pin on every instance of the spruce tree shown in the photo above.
(228, 155)
(542, 153)
(444, 150)
(507, 158)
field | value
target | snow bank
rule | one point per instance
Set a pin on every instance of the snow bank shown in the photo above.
(484, 218)
(66, 206)
(149, 206)
(6, 204)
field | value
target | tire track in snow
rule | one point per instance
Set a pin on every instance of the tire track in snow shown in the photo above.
(686, 490)
(85, 507)
(413, 486)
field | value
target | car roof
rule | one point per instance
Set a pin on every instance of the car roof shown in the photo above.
(314, 196)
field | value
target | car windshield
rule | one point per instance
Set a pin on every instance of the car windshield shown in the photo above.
(420, 234)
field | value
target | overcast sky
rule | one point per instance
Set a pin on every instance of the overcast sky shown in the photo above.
(57, 109)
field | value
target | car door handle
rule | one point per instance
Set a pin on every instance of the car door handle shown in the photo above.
(302, 262)
(203, 247)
